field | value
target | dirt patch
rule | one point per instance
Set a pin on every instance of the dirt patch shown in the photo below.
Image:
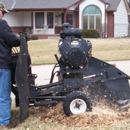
(101, 115)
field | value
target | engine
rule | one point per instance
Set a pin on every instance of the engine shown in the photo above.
(73, 48)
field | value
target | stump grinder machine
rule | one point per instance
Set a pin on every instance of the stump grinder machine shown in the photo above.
(80, 76)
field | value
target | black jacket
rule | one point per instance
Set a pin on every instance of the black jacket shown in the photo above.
(7, 40)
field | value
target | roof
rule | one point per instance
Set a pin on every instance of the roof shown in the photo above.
(44, 4)
(113, 5)
(8, 4)
(53, 4)
(106, 1)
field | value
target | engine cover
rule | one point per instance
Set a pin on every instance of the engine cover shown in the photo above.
(74, 52)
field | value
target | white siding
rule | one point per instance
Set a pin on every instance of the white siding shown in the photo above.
(27, 19)
(97, 3)
(14, 19)
(121, 21)
(18, 19)
(57, 19)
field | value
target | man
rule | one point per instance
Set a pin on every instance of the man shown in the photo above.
(7, 40)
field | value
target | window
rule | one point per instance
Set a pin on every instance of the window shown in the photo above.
(39, 20)
(91, 17)
(50, 19)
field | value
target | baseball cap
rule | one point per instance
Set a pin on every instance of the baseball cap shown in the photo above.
(2, 6)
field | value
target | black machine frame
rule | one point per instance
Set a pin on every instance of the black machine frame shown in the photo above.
(113, 82)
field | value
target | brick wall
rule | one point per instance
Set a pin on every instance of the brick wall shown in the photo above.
(110, 24)
(23, 29)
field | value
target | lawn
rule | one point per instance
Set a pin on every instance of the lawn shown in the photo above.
(42, 51)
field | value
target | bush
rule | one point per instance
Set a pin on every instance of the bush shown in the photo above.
(90, 33)
(34, 37)
(28, 37)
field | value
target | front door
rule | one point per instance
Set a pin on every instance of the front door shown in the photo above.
(69, 18)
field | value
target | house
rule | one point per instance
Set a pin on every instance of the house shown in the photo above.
(45, 17)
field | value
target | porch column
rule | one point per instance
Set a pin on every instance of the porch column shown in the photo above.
(76, 19)
(45, 18)
(110, 25)
(34, 25)
(64, 15)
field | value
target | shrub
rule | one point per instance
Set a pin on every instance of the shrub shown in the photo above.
(90, 33)
(28, 37)
(34, 37)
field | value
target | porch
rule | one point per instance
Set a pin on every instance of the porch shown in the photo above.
(42, 34)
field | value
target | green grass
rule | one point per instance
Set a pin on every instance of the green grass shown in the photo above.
(42, 51)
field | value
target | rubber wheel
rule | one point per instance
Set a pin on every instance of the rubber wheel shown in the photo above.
(76, 102)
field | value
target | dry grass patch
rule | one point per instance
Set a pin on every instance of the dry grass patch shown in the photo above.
(42, 51)
(53, 118)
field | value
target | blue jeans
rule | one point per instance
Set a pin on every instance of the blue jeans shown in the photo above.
(5, 99)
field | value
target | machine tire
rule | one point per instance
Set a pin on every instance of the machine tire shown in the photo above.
(72, 100)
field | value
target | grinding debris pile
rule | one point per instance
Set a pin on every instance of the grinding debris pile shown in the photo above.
(101, 115)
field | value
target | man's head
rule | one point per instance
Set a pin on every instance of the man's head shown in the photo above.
(2, 6)
(3, 10)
